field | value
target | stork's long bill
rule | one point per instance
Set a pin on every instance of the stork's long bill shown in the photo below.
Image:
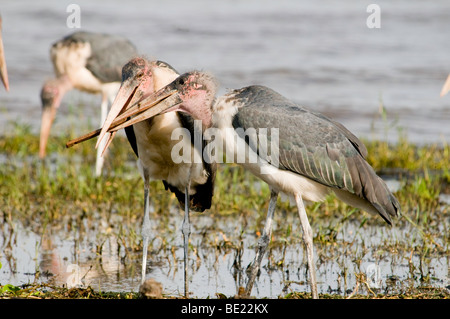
(130, 107)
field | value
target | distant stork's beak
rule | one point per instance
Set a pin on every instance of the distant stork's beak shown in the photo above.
(446, 86)
(3, 70)
(48, 115)
(129, 108)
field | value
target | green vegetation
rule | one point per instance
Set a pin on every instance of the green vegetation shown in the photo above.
(62, 193)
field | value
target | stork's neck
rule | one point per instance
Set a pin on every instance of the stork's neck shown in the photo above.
(205, 115)
(200, 108)
(223, 110)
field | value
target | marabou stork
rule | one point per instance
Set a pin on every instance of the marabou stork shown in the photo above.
(191, 181)
(89, 62)
(3, 70)
(313, 157)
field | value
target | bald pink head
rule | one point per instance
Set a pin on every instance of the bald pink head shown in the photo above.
(197, 90)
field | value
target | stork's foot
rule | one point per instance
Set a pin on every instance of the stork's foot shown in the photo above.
(263, 242)
(242, 294)
(151, 289)
(186, 232)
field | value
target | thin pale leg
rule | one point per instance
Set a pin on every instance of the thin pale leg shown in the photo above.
(308, 239)
(146, 229)
(263, 242)
(186, 230)
(99, 159)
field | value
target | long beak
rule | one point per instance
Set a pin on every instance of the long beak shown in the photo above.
(123, 98)
(48, 115)
(446, 86)
(3, 70)
(128, 109)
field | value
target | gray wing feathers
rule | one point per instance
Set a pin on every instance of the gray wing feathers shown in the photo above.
(314, 146)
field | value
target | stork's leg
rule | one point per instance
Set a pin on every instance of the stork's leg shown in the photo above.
(186, 230)
(99, 159)
(308, 239)
(146, 229)
(263, 242)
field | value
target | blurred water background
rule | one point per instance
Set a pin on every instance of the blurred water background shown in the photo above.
(319, 54)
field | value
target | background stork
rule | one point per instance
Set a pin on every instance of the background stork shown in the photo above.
(89, 62)
(3, 70)
(152, 141)
(314, 156)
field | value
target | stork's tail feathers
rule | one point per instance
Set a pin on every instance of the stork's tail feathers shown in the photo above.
(198, 202)
(385, 202)
(368, 191)
(201, 199)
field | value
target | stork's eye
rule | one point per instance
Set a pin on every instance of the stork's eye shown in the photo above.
(139, 75)
(181, 81)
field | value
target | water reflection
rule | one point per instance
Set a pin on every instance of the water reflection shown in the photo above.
(104, 264)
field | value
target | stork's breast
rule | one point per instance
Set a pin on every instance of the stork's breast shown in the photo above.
(166, 152)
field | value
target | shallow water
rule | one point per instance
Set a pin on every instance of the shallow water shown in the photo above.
(321, 55)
